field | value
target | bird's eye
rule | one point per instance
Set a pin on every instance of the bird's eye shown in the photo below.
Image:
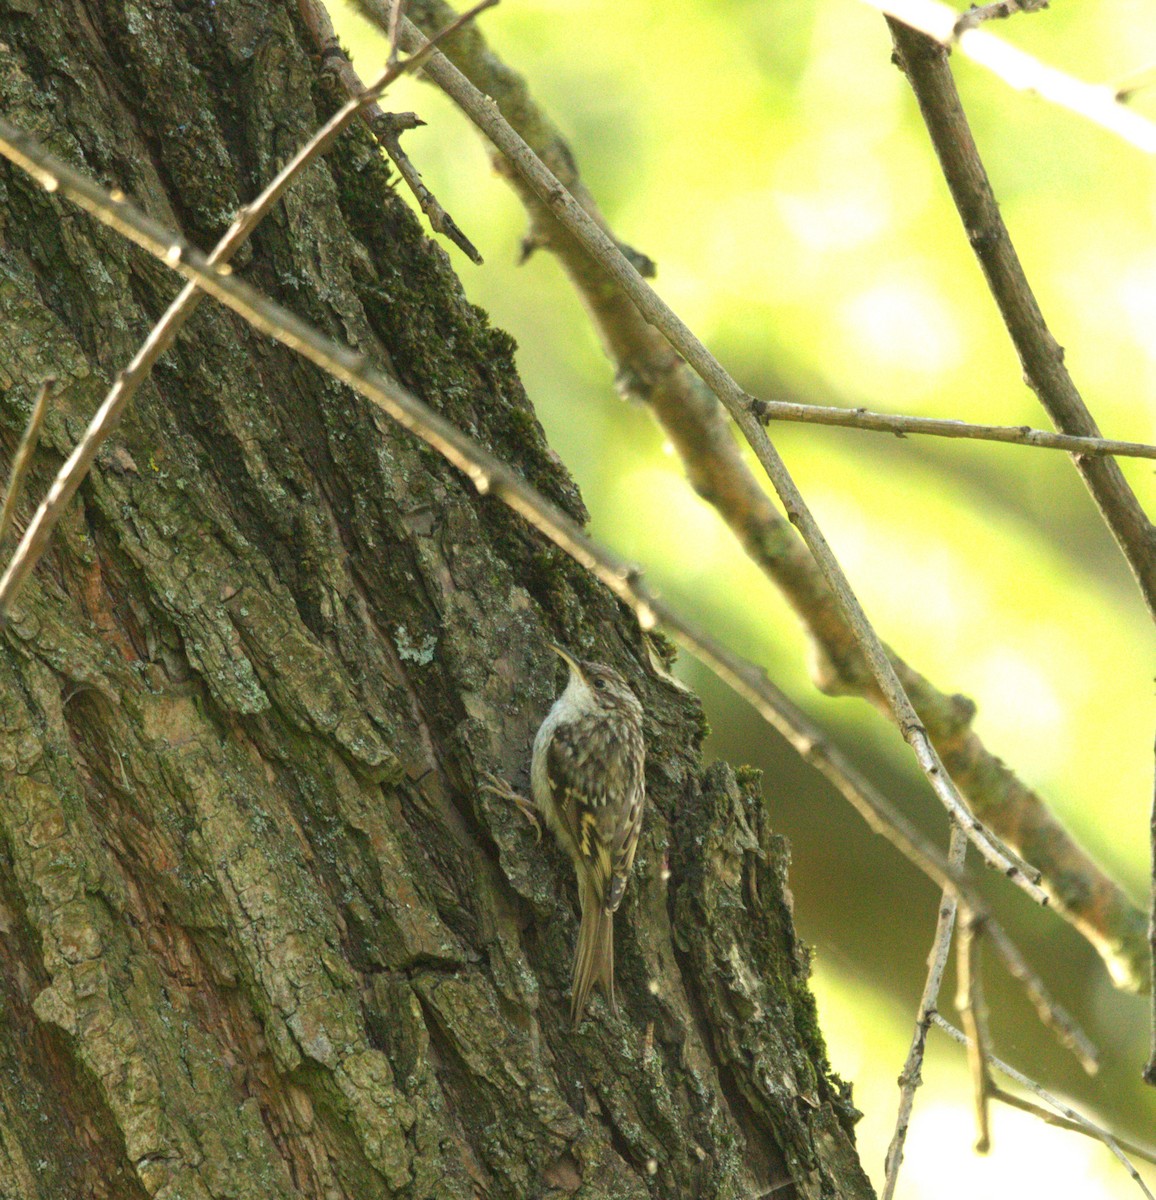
(600, 684)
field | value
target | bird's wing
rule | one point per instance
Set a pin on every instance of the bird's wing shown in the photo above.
(597, 785)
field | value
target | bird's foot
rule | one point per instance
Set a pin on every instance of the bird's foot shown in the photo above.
(499, 787)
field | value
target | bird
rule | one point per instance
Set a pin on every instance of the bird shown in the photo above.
(587, 780)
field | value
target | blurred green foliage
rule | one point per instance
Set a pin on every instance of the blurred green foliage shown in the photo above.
(771, 159)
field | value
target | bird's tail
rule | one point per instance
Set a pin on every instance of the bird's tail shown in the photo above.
(594, 959)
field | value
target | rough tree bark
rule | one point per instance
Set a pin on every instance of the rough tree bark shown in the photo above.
(260, 933)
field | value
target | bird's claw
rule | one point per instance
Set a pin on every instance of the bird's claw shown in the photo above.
(499, 787)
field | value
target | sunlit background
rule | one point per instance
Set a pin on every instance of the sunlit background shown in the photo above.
(770, 158)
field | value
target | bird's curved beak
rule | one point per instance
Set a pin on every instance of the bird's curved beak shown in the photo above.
(569, 659)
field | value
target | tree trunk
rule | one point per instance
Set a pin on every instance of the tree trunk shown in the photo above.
(262, 934)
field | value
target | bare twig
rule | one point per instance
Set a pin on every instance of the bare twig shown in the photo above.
(1087, 1128)
(1096, 102)
(973, 1015)
(927, 70)
(1000, 11)
(22, 459)
(387, 131)
(911, 1077)
(484, 112)
(396, 9)
(1075, 1120)
(1049, 1012)
(900, 426)
(107, 416)
(694, 422)
(490, 475)
(385, 126)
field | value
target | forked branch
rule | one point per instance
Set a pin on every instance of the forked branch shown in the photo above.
(925, 64)
(1071, 1119)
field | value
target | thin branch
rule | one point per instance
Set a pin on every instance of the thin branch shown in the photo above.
(484, 112)
(973, 1015)
(1050, 1013)
(1087, 1128)
(1096, 102)
(107, 417)
(650, 371)
(884, 819)
(385, 126)
(911, 1077)
(1077, 1120)
(396, 9)
(925, 64)
(900, 426)
(387, 131)
(1000, 11)
(22, 459)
